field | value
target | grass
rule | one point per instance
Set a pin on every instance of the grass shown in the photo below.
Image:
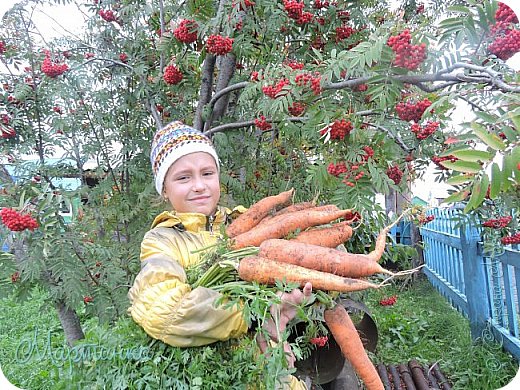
(421, 325)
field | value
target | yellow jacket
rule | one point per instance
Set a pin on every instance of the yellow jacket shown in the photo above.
(162, 302)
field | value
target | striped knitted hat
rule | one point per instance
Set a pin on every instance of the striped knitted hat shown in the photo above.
(172, 142)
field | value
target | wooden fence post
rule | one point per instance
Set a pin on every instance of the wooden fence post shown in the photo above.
(474, 280)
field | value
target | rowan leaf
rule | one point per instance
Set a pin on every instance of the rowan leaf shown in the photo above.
(507, 172)
(473, 155)
(462, 166)
(458, 196)
(460, 179)
(490, 139)
(478, 193)
(496, 181)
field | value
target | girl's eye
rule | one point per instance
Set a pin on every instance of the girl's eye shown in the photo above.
(209, 173)
(182, 178)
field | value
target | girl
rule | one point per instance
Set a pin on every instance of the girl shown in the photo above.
(186, 173)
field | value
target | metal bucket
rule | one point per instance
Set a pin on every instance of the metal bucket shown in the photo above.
(326, 363)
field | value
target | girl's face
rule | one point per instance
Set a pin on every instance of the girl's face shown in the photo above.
(192, 184)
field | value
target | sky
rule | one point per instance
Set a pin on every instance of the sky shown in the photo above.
(70, 19)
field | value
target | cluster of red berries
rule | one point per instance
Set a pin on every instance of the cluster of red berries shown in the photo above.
(7, 132)
(347, 179)
(262, 123)
(17, 222)
(506, 39)
(505, 14)
(107, 15)
(360, 88)
(423, 132)
(295, 65)
(123, 57)
(87, 299)
(338, 129)
(15, 277)
(3, 47)
(407, 55)
(187, 31)
(5, 119)
(319, 341)
(511, 240)
(306, 17)
(243, 4)
(318, 4)
(172, 75)
(424, 219)
(388, 301)
(369, 153)
(295, 11)
(273, 91)
(314, 80)
(343, 15)
(53, 69)
(57, 110)
(409, 111)
(497, 223)
(296, 109)
(506, 46)
(219, 45)
(337, 169)
(438, 160)
(254, 76)
(344, 32)
(293, 8)
(395, 174)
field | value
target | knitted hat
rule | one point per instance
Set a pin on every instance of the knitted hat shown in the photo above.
(172, 142)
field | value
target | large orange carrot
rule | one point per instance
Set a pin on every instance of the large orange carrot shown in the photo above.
(347, 337)
(323, 259)
(330, 236)
(289, 209)
(267, 271)
(287, 224)
(295, 207)
(257, 212)
(279, 216)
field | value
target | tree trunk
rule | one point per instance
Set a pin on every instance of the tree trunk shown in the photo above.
(226, 70)
(69, 322)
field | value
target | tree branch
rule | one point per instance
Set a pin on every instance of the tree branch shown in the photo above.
(205, 89)
(226, 65)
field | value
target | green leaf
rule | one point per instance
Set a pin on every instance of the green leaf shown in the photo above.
(490, 139)
(496, 181)
(473, 155)
(478, 193)
(486, 117)
(515, 118)
(456, 197)
(452, 149)
(462, 166)
(507, 172)
(459, 179)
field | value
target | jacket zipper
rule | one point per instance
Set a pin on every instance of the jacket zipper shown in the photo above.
(209, 223)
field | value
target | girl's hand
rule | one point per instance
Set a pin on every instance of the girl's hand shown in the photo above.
(281, 314)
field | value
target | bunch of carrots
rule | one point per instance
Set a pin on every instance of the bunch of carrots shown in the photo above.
(278, 241)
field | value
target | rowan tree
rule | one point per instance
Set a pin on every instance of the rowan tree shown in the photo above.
(338, 98)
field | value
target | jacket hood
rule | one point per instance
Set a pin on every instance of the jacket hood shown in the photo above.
(194, 221)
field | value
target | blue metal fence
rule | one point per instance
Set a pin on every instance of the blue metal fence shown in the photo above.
(484, 289)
